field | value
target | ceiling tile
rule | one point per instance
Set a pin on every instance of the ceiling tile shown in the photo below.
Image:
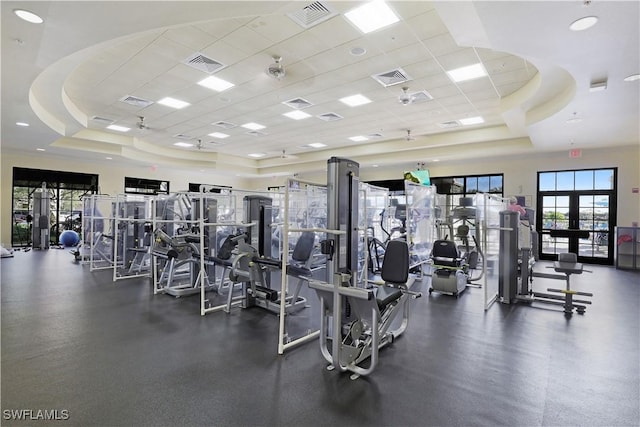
(190, 36)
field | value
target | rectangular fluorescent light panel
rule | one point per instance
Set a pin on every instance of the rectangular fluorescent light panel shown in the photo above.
(372, 16)
(216, 84)
(471, 121)
(297, 115)
(256, 155)
(219, 135)
(173, 103)
(359, 138)
(355, 100)
(253, 126)
(316, 145)
(183, 144)
(119, 128)
(469, 72)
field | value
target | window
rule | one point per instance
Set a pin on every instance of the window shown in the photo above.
(65, 195)
(195, 188)
(466, 185)
(145, 186)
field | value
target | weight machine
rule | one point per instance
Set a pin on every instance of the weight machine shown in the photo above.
(516, 268)
(356, 321)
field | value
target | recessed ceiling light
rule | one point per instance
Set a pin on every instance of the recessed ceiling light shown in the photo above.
(119, 128)
(219, 135)
(316, 145)
(109, 158)
(574, 120)
(435, 160)
(253, 126)
(216, 84)
(374, 166)
(583, 23)
(372, 16)
(358, 138)
(467, 73)
(183, 144)
(355, 100)
(471, 120)
(173, 103)
(23, 124)
(297, 115)
(40, 149)
(358, 51)
(28, 16)
(256, 155)
(632, 78)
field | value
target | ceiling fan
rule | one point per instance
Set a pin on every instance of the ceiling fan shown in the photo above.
(276, 70)
(408, 137)
(141, 124)
(405, 98)
(284, 155)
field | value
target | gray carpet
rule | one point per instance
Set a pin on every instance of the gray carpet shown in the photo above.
(113, 354)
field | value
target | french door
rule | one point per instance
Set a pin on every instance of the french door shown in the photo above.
(577, 213)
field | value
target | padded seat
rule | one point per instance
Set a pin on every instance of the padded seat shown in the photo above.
(295, 270)
(445, 253)
(386, 295)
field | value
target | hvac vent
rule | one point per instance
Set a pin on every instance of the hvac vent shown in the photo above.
(203, 63)
(298, 103)
(102, 120)
(422, 96)
(225, 125)
(330, 117)
(393, 77)
(138, 102)
(182, 136)
(451, 124)
(374, 135)
(256, 133)
(312, 14)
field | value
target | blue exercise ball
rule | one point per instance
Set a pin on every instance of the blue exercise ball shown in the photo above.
(69, 238)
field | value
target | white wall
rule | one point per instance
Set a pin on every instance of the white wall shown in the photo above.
(520, 175)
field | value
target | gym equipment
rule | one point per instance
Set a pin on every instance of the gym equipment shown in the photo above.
(6, 253)
(69, 238)
(252, 269)
(516, 270)
(41, 212)
(450, 271)
(357, 321)
(132, 237)
(180, 275)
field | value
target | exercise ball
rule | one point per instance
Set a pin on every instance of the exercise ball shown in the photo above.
(69, 238)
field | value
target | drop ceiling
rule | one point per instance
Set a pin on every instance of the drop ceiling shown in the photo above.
(94, 64)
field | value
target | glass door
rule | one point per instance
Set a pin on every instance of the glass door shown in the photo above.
(577, 211)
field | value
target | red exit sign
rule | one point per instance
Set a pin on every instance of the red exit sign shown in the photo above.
(575, 153)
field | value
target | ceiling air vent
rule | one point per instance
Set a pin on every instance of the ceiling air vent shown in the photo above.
(374, 136)
(203, 63)
(312, 14)
(138, 102)
(421, 96)
(225, 125)
(451, 124)
(330, 117)
(182, 136)
(298, 103)
(102, 120)
(393, 77)
(256, 133)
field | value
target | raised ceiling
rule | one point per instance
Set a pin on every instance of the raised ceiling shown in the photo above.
(91, 64)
